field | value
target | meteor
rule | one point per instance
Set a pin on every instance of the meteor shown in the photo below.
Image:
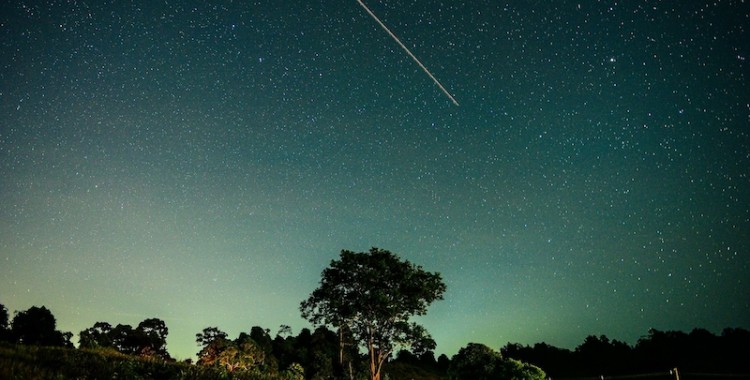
(406, 49)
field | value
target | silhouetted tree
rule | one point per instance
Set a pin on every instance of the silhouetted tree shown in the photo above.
(148, 339)
(302, 344)
(262, 338)
(660, 349)
(517, 370)
(699, 351)
(479, 362)
(4, 317)
(284, 350)
(408, 365)
(406, 356)
(322, 355)
(735, 344)
(599, 355)
(98, 335)
(476, 361)
(208, 335)
(317, 352)
(212, 341)
(427, 359)
(374, 294)
(556, 362)
(244, 354)
(4, 326)
(241, 354)
(37, 326)
(152, 336)
(124, 339)
(443, 363)
(262, 353)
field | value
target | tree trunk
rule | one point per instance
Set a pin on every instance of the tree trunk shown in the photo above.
(376, 362)
(342, 344)
(374, 368)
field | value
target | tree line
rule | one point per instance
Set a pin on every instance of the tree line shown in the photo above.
(309, 354)
(362, 312)
(315, 354)
(698, 351)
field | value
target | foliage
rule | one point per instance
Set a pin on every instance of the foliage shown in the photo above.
(696, 352)
(213, 342)
(602, 355)
(517, 370)
(149, 339)
(294, 372)
(479, 362)
(555, 361)
(37, 326)
(408, 365)
(30, 362)
(3, 317)
(317, 352)
(242, 354)
(372, 295)
(96, 336)
(4, 326)
(153, 333)
(316, 355)
(208, 335)
(261, 337)
(125, 340)
(476, 361)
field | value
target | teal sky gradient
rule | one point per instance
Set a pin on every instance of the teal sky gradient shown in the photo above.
(202, 163)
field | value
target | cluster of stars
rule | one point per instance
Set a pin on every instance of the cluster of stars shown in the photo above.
(594, 180)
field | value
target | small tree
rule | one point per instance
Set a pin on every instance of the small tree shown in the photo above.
(372, 295)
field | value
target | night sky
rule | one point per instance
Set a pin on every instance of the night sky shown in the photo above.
(202, 162)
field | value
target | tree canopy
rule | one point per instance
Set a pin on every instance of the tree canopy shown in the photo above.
(4, 328)
(37, 326)
(698, 351)
(243, 353)
(317, 354)
(479, 362)
(372, 295)
(149, 339)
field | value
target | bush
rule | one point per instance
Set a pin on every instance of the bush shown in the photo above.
(479, 362)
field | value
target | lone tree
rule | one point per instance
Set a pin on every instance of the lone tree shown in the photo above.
(372, 295)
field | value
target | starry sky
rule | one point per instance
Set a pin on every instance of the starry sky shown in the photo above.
(203, 161)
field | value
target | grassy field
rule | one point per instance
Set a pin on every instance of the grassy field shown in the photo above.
(42, 363)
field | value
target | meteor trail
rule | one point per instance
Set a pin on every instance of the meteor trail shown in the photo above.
(408, 52)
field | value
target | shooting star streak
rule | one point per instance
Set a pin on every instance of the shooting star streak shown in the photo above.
(408, 52)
